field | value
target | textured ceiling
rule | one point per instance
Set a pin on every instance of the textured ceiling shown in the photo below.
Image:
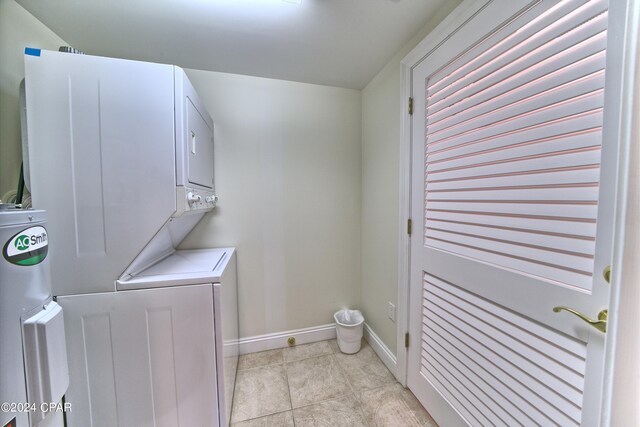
(332, 42)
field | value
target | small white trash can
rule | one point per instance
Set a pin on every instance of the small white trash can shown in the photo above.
(349, 325)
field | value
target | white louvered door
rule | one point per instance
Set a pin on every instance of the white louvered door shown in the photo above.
(513, 164)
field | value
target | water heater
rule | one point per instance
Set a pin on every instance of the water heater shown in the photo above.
(33, 362)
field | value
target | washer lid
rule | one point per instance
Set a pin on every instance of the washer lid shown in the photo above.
(183, 267)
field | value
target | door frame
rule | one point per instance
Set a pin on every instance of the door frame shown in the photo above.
(456, 19)
(621, 392)
(622, 348)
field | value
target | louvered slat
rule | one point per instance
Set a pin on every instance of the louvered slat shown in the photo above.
(527, 238)
(568, 212)
(512, 145)
(528, 264)
(535, 133)
(544, 176)
(521, 372)
(494, 163)
(510, 367)
(577, 105)
(573, 261)
(493, 411)
(517, 103)
(517, 30)
(457, 398)
(553, 51)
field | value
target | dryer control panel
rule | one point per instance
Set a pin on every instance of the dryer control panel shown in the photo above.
(191, 200)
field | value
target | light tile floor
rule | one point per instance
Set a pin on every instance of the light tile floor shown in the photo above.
(315, 385)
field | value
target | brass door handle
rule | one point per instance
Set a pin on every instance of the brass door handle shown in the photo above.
(600, 324)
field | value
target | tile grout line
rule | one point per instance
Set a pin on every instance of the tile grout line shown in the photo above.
(260, 417)
(310, 357)
(353, 391)
(322, 401)
(284, 365)
(334, 351)
(261, 366)
(335, 362)
(286, 370)
(244, 371)
(286, 374)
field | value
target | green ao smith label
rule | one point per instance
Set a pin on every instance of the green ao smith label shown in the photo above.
(28, 247)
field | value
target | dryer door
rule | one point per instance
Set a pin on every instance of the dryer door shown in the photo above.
(200, 147)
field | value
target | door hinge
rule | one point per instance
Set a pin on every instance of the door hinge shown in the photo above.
(410, 106)
(409, 226)
(406, 340)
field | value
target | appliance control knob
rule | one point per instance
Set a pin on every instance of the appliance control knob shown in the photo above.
(211, 199)
(193, 198)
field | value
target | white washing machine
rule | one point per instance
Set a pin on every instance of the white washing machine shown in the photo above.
(33, 360)
(163, 348)
(121, 156)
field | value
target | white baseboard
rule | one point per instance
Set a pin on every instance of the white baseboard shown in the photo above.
(383, 352)
(313, 334)
(279, 339)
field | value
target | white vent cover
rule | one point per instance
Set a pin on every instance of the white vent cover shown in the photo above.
(45, 352)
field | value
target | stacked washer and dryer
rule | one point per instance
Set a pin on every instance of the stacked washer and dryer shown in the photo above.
(120, 155)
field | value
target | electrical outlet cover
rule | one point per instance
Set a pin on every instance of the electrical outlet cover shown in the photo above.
(391, 311)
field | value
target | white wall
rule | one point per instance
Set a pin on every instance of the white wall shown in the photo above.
(18, 29)
(288, 176)
(308, 179)
(380, 187)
